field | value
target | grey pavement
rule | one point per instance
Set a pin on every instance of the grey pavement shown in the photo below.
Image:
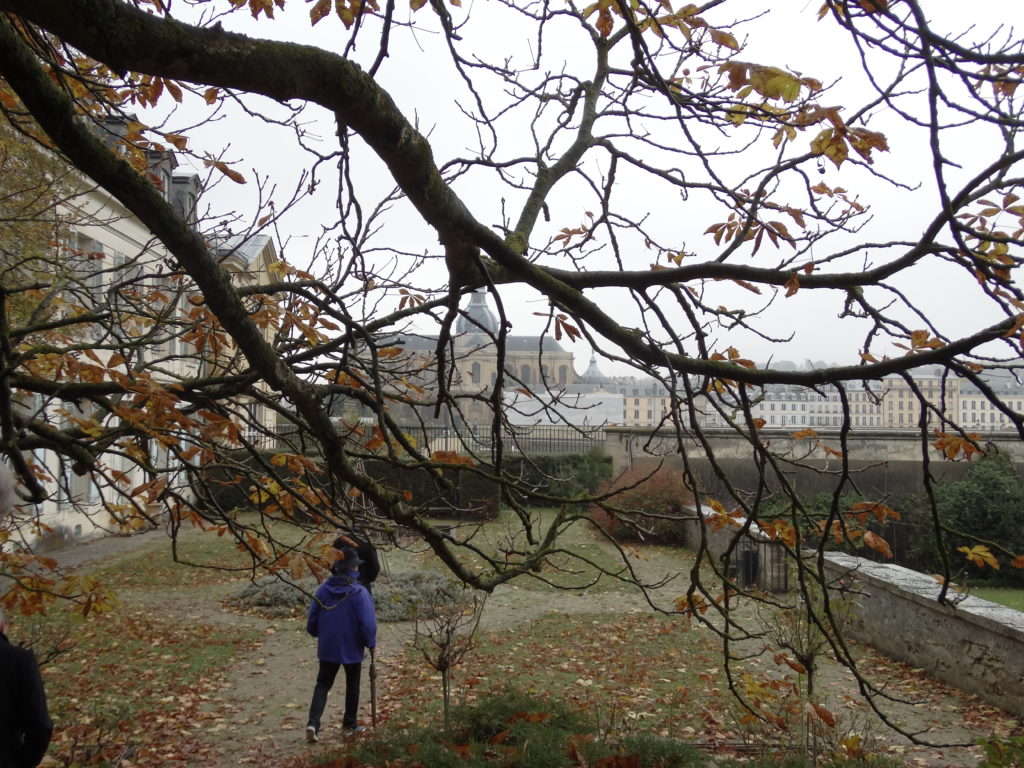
(77, 554)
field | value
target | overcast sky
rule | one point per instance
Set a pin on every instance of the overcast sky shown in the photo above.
(421, 79)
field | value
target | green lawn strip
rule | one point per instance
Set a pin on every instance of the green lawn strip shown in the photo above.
(160, 571)
(584, 553)
(205, 559)
(1011, 598)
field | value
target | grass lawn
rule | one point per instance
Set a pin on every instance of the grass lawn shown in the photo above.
(150, 673)
(1011, 598)
(137, 674)
(639, 672)
(131, 676)
(636, 671)
(576, 565)
(154, 566)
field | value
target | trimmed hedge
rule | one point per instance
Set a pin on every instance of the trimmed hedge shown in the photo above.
(566, 476)
(399, 597)
(230, 483)
(453, 492)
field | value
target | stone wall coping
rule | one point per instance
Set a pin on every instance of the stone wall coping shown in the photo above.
(924, 590)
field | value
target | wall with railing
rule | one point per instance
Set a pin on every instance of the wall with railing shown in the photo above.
(540, 440)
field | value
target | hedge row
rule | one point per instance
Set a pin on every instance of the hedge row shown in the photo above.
(470, 491)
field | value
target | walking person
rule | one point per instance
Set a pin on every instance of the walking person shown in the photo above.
(342, 619)
(25, 725)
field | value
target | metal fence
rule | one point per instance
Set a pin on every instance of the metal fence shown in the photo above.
(546, 440)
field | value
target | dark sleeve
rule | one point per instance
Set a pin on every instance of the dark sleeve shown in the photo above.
(371, 564)
(313, 617)
(366, 618)
(36, 719)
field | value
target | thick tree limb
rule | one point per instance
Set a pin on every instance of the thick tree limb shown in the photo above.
(286, 71)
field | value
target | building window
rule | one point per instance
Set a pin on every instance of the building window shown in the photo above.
(476, 373)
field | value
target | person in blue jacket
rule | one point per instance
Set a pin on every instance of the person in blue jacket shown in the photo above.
(369, 567)
(342, 619)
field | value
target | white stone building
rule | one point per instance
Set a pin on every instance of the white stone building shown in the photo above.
(108, 264)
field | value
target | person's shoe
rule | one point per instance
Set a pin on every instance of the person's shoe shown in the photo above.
(354, 730)
(311, 735)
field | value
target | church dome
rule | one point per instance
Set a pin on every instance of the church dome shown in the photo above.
(593, 375)
(477, 317)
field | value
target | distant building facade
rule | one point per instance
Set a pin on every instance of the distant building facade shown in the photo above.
(541, 387)
(534, 367)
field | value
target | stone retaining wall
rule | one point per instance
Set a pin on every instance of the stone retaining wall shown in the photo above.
(975, 645)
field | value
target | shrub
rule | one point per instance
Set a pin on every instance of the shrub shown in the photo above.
(514, 730)
(988, 502)
(562, 476)
(95, 734)
(510, 729)
(1002, 753)
(489, 717)
(402, 596)
(398, 598)
(658, 751)
(645, 506)
(273, 596)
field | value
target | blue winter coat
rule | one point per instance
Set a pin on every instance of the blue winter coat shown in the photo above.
(342, 619)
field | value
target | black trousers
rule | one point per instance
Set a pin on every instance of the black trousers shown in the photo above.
(325, 681)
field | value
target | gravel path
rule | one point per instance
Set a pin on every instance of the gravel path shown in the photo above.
(99, 549)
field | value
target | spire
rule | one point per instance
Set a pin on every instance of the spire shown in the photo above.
(593, 374)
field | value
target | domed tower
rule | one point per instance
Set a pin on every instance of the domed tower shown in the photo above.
(592, 378)
(477, 317)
